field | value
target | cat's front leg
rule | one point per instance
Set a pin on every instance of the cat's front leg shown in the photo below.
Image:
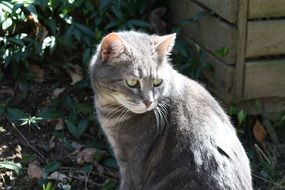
(126, 181)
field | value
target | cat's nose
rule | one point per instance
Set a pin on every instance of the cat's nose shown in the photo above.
(147, 103)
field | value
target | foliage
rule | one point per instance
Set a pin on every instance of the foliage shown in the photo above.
(17, 167)
(54, 33)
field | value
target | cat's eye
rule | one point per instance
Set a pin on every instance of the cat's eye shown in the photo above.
(157, 82)
(132, 83)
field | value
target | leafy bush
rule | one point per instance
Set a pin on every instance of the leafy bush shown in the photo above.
(55, 33)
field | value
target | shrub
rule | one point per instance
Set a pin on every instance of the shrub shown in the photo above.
(55, 33)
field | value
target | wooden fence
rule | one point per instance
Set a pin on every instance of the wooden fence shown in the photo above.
(252, 32)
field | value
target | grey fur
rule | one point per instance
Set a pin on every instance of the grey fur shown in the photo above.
(185, 142)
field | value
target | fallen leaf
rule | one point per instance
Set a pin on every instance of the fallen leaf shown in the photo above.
(52, 143)
(90, 155)
(75, 73)
(6, 90)
(58, 176)
(57, 91)
(59, 124)
(77, 146)
(259, 132)
(37, 73)
(34, 170)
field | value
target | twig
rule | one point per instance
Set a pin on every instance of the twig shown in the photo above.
(81, 178)
(262, 153)
(86, 181)
(77, 170)
(26, 140)
(262, 178)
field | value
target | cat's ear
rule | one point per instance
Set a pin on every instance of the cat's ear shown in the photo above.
(112, 45)
(165, 44)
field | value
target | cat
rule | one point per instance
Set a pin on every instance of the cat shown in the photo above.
(166, 130)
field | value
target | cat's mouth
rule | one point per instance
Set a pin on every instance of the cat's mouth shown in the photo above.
(140, 108)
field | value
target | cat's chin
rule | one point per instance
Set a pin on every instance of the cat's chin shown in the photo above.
(136, 111)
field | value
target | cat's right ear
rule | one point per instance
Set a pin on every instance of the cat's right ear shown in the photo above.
(112, 45)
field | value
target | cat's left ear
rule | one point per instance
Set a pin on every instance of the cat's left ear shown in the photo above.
(165, 45)
(112, 45)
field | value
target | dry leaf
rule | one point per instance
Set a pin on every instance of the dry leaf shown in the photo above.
(52, 143)
(37, 73)
(34, 170)
(259, 132)
(77, 146)
(58, 176)
(75, 74)
(6, 90)
(57, 91)
(89, 155)
(59, 124)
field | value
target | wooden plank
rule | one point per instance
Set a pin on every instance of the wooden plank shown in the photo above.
(265, 38)
(266, 8)
(264, 79)
(227, 9)
(241, 46)
(211, 33)
(177, 11)
(218, 75)
(269, 107)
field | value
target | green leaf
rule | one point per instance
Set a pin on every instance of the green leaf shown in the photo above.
(49, 186)
(104, 4)
(6, 6)
(49, 113)
(7, 23)
(72, 128)
(84, 29)
(86, 56)
(87, 167)
(241, 117)
(27, 158)
(222, 52)
(2, 111)
(51, 23)
(17, 167)
(15, 8)
(84, 108)
(109, 185)
(15, 115)
(53, 166)
(194, 19)
(112, 24)
(139, 23)
(33, 11)
(111, 162)
(83, 124)
(42, 3)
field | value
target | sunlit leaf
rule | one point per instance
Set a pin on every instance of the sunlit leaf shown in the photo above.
(241, 117)
(17, 167)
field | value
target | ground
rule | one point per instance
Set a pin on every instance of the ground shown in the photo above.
(64, 145)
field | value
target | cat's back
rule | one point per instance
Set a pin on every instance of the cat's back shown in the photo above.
(205, 139)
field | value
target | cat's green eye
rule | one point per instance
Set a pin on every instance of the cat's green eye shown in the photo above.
(132, 83)
(157, 82)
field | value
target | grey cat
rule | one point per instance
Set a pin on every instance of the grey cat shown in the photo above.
(166, 130)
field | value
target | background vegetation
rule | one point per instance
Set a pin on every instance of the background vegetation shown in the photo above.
(49, 137)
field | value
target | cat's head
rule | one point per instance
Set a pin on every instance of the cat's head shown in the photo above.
(131, 68)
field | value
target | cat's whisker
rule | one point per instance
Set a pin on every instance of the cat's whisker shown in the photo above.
(114, 112)
(124, 117)
(156, 118)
